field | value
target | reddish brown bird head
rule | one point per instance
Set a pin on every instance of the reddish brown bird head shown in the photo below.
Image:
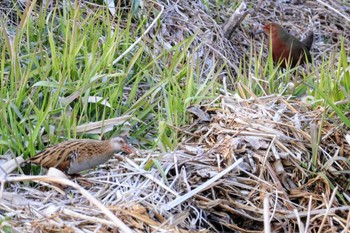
(287, 50)
(272, 29)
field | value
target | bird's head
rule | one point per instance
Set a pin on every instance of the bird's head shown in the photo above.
(120, 144)
(272, 29)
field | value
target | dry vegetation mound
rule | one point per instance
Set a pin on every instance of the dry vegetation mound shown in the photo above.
(241, 163)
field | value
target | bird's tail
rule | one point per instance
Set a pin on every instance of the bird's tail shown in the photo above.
(308, 40)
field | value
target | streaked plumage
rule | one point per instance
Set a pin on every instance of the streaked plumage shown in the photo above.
(77, 155)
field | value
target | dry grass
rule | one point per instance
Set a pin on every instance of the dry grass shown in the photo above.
(244, 165)
(249, 164)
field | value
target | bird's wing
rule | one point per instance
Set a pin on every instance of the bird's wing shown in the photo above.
(59, 155)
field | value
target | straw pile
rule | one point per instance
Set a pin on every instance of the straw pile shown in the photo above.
(242, 162)
(244, 165)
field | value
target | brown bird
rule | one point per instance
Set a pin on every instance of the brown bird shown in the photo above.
(287, 49)
(77, 155)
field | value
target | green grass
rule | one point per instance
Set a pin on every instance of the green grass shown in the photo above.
(54, 61)
(58, 60)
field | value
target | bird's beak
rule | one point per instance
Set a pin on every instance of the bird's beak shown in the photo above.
(128, 149)
(259, 31)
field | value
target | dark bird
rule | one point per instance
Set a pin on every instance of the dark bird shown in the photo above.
(287, 49)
